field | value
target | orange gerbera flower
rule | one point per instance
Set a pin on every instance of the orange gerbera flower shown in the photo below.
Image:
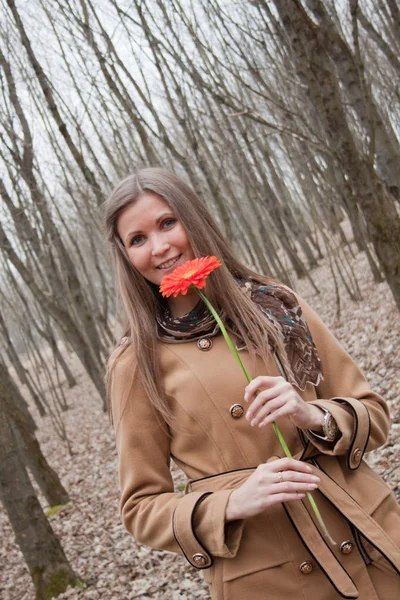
(193, 272)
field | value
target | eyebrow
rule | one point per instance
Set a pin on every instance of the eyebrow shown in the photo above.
(161, 216)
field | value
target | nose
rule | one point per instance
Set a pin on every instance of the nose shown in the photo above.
(159, 248)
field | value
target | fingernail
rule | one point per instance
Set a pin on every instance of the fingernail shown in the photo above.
(315, 478)
(312, 486)
(253, 422)
(309, 469)
(248, 415)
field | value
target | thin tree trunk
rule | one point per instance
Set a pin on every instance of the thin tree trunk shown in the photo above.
(49, 568)
(44, 475)
(54, 110)
(23, 375)
(72, 334)
(355, 86)
(315, 71)
(27, 444)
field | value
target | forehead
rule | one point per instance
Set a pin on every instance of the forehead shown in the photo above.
(142, 213)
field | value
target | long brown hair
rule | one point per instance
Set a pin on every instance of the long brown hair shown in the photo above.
(139, 297)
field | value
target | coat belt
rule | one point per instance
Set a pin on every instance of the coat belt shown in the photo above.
(306, 529)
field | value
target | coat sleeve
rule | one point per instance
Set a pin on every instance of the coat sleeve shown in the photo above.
(361, 414)
(151, 511)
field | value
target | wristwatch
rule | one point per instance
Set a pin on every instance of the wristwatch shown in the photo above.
(329, 427)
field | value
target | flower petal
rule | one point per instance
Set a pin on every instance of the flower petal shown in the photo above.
(193, 272)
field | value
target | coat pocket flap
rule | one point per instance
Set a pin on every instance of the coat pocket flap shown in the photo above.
(255, 563)
(367, 488)
(260, 547)
(377, 500)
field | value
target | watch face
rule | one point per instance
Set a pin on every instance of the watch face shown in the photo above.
(331, 427)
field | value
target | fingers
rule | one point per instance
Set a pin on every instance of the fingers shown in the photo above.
(293, 487)
(284, 497)
(294, 482)
(282, 480)
(268, 412)
(277, 399)
(286, 480)
(283, 407)
(296, 477)
(288, 464)
(262, 382)
(262, 398)
(287, 475)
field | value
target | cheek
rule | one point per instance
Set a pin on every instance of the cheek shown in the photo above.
(183, 239)
(139, 260)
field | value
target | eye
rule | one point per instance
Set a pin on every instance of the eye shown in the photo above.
(136, 240)
(169, 222)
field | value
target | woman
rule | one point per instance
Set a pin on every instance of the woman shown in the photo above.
(176, 392)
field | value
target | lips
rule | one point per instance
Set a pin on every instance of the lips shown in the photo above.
(169, 263)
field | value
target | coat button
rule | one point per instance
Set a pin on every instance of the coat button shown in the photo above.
(306, 567)
(199, 560)
(346, 547)
(236, 411)
(357, 454)
(204, 344)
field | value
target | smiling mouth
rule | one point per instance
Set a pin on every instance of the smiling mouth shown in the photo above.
(169, 263)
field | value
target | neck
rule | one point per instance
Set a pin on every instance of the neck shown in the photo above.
(181, 305)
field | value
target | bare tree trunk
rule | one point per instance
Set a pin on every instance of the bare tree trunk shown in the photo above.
(33, 458)
(351, 72)
(23, 375)
(49, 568)
(316, 73)
(67, 325)
(392, 56)
(27, 444)
(54, 110)
(64, 294)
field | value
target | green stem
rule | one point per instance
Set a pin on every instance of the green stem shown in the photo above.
(224, 332)
(274, 425)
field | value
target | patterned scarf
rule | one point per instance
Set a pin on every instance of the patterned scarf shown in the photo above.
(279, 305)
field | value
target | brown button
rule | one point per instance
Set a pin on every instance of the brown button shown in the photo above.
(204, 344)
(236, 411)
(357, 454)
(306, 567)
(199, 560)
(346, 547)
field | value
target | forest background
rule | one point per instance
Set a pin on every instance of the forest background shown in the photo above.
(284, 116)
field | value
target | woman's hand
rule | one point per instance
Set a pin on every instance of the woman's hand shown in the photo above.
(277, 481)
(278, 398)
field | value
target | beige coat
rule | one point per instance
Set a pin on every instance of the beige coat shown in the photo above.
(279, 553)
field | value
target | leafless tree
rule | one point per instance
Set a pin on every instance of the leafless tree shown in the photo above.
(50, 571)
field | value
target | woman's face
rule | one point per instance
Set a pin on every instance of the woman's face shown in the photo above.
(155, 240)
